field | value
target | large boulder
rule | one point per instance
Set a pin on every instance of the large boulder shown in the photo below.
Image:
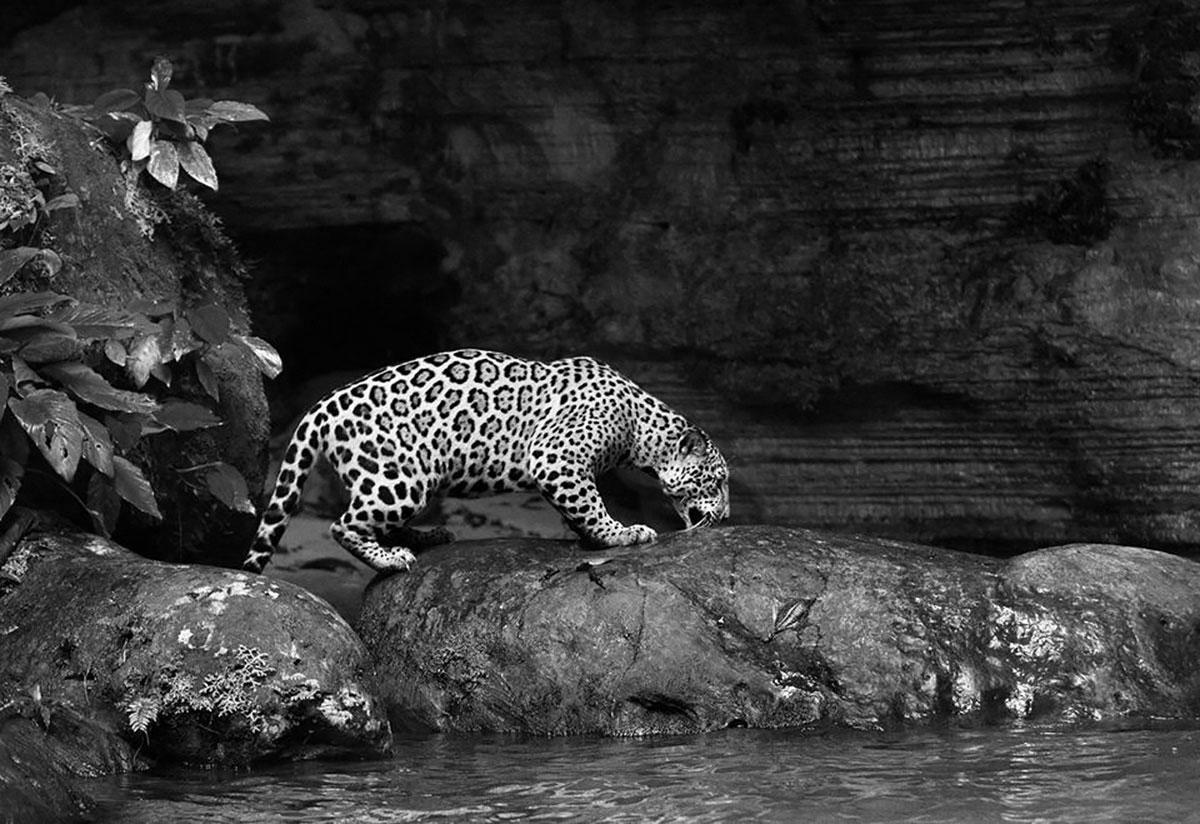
(772, 627)
(186, 664)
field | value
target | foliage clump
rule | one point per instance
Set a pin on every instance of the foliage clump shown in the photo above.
(229, 695)
(160, 132)
(80, 383)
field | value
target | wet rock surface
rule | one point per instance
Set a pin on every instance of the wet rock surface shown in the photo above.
(767, 626)
(187, 664)
(41, 761)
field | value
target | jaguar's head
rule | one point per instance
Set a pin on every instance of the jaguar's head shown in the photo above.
(696, 480)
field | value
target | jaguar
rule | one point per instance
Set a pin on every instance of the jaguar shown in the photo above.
(470, 422)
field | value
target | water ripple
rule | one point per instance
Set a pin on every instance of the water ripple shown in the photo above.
(1010, 774)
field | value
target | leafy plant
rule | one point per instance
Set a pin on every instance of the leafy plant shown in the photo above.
(60, 359)
(72, 413)
(163, 133)
(224, 694)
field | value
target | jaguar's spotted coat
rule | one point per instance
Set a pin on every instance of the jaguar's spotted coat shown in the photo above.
(470, 423)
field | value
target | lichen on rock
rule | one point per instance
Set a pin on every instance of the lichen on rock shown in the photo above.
(192, 665)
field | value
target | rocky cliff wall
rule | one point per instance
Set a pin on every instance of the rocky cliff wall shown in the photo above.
(926, 269)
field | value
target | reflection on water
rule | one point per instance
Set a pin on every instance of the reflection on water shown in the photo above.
(1018, 774)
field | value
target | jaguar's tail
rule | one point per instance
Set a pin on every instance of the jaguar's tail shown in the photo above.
(302, 450)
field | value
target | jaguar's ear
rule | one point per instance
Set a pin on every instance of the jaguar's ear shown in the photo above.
(693, 444)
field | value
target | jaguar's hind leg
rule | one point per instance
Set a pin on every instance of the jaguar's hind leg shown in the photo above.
(381, 538)
(361, 539)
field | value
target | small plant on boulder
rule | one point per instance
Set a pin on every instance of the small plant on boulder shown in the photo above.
(161, 132)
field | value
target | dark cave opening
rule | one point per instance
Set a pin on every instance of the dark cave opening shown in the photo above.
(345, 299)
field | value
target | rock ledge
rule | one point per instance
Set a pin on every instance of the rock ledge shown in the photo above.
(773, 627)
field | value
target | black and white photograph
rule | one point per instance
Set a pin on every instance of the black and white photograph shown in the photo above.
(600, 411)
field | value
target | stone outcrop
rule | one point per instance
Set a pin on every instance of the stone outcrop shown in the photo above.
(184, 664)
(771, 627)
(45, 751)
(926, 269)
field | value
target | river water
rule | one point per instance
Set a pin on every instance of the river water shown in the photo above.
(1023, 773)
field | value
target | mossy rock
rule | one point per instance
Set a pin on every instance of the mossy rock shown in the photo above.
(187, 664)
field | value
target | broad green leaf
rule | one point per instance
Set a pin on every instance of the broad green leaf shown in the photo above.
(114, 350)
(23, 328)
(133, 487)
(28, 302)
(51, 261)
(208, 379)
(51, 420)
(164, 163)
(51, 346)
(268, 360)
(88, 385)
(229, 487)
(93, 322)
(97, 444)
(116, 100)
(210, 322)
(103, 503)
(196, 162)
(70, 200)
(232, 111)
(176, 339)
(198, 105)
(24, 377)
(184, 416)
(12, 260)
(162, 372)
(139, 140)
(144, 353)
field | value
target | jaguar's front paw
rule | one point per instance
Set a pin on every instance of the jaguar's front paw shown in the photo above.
(635, 534)
(389, 560)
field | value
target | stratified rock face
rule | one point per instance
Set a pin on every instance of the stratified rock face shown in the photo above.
(189, 664)
(766, 627)
(959, 235)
